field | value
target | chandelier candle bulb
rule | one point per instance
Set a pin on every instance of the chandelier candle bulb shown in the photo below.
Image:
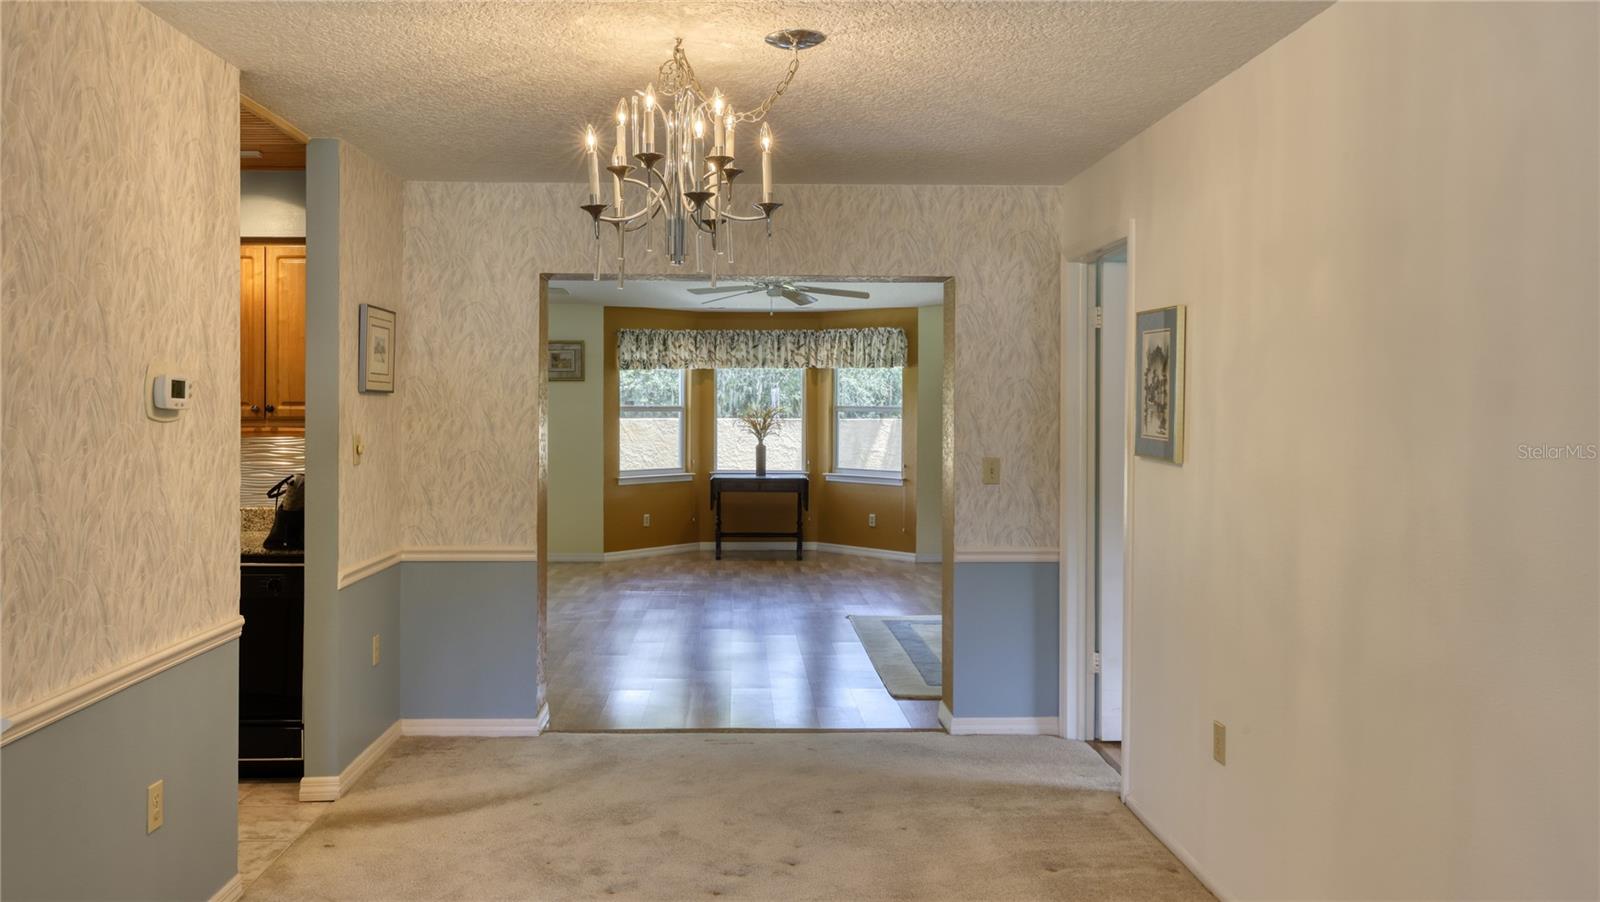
(727, 146)
(594, 166)
(622, 129)
(766, 164)
(650, 119)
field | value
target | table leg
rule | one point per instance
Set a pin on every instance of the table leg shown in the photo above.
(799, 525)
(719, 526)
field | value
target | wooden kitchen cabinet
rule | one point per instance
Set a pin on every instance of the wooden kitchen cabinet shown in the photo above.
(272, 337)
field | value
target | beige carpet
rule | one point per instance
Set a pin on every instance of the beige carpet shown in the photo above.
(905, 651)
(749, 816)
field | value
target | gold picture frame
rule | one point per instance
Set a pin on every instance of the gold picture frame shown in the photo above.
(564, 361)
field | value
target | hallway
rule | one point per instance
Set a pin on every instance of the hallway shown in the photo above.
(754, 816)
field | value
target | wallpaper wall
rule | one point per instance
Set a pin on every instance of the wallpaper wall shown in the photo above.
(371, 498)
(474, 252)
(120, 534)
(471, 347)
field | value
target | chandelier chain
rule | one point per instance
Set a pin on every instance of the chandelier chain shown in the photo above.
(677, 74)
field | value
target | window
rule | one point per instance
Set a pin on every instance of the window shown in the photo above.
(739, 390)
(650, 434)
(867, 417)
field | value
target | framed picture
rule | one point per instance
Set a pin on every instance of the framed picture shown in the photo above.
(377, 357)
(1159, 369)
(566, 361)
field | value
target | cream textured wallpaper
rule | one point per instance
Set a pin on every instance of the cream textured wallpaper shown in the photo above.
(470, 348)
(1384, 228)
(119, 216)
(474, 252)
(371, 248)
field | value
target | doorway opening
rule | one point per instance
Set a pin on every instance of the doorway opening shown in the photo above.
(707, 575)
(1110, 454)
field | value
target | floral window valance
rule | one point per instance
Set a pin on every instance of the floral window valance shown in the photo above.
(706, 349)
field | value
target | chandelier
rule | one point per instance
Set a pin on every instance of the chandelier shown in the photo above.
(674, 160)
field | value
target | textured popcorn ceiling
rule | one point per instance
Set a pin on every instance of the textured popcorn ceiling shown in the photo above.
(958, 93)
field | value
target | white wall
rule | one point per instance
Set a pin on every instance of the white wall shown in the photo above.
(272, 203)
(1385, 230)
(576, 499)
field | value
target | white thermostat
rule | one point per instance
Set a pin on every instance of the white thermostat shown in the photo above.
(171, 392)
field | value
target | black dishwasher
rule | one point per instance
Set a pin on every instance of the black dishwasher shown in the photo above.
(271, 651)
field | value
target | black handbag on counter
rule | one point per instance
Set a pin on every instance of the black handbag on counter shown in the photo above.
(289, 520)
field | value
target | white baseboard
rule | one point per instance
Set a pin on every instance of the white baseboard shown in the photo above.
(478, 726)
(328, 789)
(945, 717)
(727, 546)
(998, 726)
(1179, 851)
(907, 557)
(232, 891)
(935, 558)
(575, 557)
(657, 551)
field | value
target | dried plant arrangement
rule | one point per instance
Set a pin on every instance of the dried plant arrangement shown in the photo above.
(761, 420)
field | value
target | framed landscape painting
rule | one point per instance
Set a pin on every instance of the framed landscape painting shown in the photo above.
(377, 351)
(1159, 371)
(566, 361)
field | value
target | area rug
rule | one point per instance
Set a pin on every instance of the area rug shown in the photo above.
(906, 652)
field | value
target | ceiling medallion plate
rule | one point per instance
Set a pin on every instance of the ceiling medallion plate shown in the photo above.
(798, 38)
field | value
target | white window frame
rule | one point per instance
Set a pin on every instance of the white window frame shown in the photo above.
(716, 444)
(680, 473)
(859, 475)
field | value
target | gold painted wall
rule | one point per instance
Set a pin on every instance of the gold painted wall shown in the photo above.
(680, 512)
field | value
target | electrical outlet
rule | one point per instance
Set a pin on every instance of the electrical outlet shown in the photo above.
(1219, 742)
(647, 519)
(377, 650)
(155, 806)
(872, 519)
(991, 471)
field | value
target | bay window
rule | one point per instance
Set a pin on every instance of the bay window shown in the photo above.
(867, 411)
(651, 431)
(739, 390)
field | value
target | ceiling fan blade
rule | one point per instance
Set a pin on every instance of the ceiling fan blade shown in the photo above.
(738, 294)
(799, 298)
(720, 289)
(834, 292)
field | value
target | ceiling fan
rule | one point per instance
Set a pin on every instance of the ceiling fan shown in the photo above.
(799, 295)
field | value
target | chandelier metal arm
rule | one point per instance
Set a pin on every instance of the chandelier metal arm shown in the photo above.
(677, 74)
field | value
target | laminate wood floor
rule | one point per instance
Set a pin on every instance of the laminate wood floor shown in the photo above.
(754, 641)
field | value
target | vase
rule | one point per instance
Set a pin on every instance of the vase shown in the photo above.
(761, 458)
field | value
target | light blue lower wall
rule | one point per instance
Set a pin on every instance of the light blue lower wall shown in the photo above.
(72, 795)
(1007, 639)
(469, 639)
(367, 697)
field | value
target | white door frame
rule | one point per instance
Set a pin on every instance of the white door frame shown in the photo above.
(1078, 554)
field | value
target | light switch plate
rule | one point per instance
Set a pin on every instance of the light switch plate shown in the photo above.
(155, 806)
(991, 471)
(1219, 742)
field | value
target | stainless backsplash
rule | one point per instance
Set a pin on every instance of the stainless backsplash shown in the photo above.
(265, 459)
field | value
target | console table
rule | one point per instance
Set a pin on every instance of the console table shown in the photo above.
(799, 485)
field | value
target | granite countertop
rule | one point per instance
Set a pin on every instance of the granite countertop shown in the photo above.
(254, 524)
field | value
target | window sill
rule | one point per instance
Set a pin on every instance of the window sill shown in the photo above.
(753, 472)
(863, 478)
(648, 478)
